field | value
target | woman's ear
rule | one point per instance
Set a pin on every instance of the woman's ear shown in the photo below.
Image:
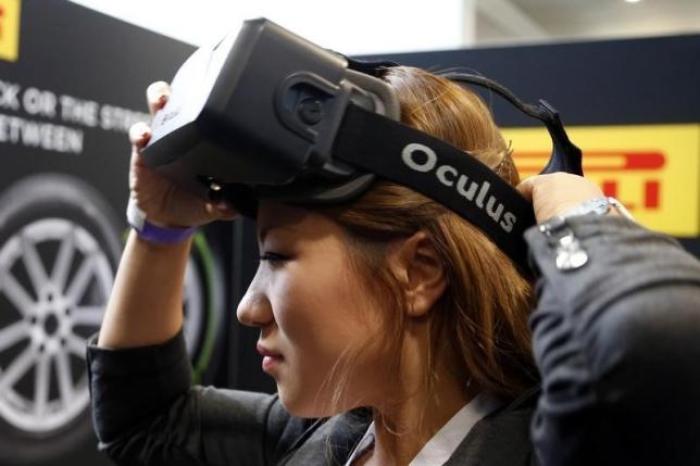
(417, 265)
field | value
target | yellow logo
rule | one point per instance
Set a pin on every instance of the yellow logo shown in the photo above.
(653, 169)
(9, 29)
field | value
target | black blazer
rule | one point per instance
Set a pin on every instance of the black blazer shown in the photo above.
(500, 439)
(617, 343)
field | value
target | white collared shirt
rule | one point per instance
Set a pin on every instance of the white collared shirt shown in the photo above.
(446, 440)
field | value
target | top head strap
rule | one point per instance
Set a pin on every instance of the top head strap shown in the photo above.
(566, 157)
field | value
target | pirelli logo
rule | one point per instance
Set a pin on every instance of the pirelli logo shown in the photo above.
(609, 166)
(9, 29)
(654, 170)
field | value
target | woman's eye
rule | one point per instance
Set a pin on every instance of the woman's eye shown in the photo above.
(272, 258)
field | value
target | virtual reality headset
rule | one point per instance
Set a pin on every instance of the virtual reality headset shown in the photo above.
(266, 114)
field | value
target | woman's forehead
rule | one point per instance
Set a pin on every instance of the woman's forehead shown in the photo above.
(275, 216)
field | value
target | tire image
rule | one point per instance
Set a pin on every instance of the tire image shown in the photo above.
(59, 248)
(203, 302)
(204, 291)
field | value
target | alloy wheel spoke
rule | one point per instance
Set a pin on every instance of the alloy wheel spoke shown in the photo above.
(41, 384)
(76, 346)
(61, 268)
(16, 293)
(33, 263)
(77, 288)
(88, 315)
(13, 334)
(17, 369)
(65, 385)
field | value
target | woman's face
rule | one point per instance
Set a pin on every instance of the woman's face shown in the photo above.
(312, 309)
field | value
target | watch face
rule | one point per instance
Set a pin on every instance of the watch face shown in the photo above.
(599, 206)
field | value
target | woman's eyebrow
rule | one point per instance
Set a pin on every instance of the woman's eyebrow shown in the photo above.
(268, 228)
(263, 232)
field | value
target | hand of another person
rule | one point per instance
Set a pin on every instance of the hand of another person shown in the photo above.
(556, 193)
(165, 204)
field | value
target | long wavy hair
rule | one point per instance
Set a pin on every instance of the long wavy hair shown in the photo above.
(481, 319)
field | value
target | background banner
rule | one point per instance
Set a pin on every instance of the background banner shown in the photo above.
(72, 82)
(654, 170)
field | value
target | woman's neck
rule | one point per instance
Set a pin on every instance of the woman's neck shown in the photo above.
(403, 428)
(400, 438)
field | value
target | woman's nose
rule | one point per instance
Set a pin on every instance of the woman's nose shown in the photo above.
(254, 310)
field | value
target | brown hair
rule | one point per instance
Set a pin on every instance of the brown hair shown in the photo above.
(481, 319)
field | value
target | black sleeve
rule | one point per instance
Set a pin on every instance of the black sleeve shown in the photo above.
(146, 411)
(617, 342)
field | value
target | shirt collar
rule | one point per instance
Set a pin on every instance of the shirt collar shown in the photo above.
(444, 443)
(446, 440)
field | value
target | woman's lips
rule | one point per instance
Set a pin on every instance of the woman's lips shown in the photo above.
(271, 359)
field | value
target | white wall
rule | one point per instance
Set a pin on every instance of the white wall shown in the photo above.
(350, 27)
(376, 26)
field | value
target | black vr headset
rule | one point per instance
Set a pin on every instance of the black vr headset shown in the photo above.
(268, 115)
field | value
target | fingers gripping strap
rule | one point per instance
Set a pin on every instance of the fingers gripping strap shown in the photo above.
(439, 171)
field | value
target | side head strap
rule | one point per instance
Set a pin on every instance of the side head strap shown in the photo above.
(448, 175)
(441, 172)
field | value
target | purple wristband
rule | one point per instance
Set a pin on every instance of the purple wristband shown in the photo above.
(152, 233)
(159, 235)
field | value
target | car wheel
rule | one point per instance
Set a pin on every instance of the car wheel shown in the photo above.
(59, 247)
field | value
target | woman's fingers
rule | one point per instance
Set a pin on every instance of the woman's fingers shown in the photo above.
(526, 186)
(157, 196)
(220, 211)
(139, 134)
(157, 95)
(556, 193)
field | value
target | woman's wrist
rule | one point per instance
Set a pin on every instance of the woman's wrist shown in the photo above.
(163, 235)
(154, 232)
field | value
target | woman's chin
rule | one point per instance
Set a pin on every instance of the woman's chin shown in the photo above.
(301, 405)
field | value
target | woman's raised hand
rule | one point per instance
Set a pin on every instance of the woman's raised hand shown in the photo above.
(165, 204)
(556, 193)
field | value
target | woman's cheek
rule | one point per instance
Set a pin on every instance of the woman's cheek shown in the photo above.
(288, 304)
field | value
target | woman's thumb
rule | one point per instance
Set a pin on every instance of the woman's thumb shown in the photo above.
(526, 187)
(220, 211)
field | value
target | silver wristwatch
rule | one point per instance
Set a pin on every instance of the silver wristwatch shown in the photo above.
(600, 206)
(570, 255)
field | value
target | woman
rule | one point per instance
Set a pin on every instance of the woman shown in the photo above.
(397, 333)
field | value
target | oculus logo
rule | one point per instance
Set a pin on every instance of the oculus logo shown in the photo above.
(423, 159)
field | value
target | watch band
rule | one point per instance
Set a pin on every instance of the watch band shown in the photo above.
(599, 206)
(153, 233)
